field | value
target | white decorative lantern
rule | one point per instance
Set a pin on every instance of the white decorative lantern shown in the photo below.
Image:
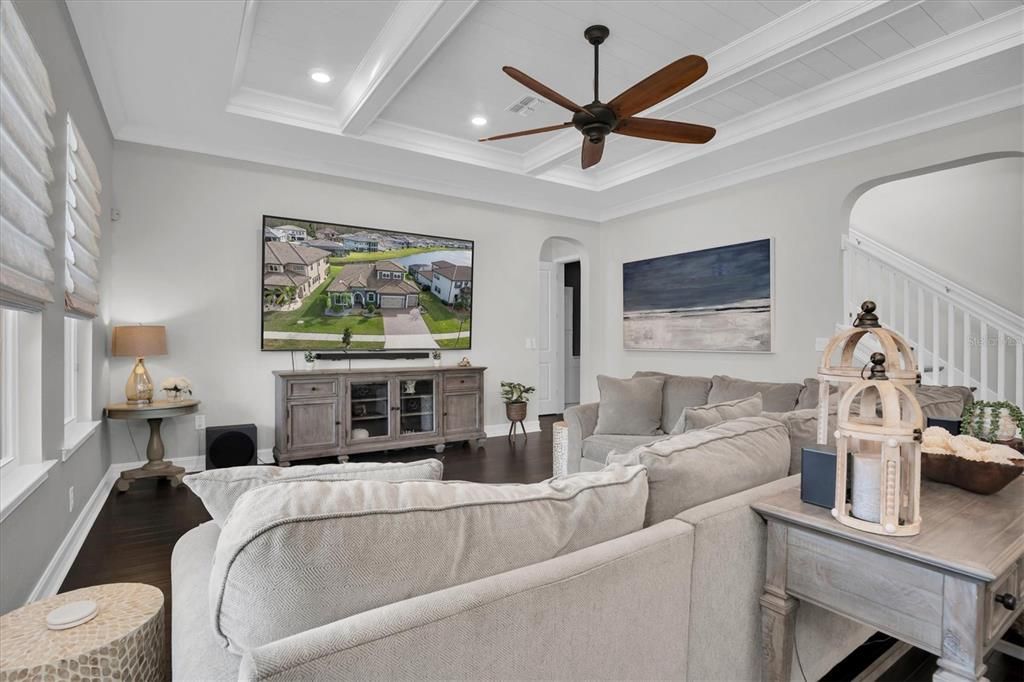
(884, 440)
(838, 366)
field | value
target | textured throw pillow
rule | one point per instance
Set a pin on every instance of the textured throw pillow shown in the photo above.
(678, 393)
(808, 397)
(699, 466)
(298, 555)
(776, 397)
(703, 416)
(943, 402)
(802, 426)
(219, 489)
(630, 407)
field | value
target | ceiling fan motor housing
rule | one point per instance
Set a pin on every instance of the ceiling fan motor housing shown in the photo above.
(595, 121)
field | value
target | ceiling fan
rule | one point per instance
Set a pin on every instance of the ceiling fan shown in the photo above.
(597, 119)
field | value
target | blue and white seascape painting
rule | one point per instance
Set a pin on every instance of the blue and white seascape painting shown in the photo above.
(716, 299)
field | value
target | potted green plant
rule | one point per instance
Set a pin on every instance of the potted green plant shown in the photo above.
(992, 420)
(515, 396)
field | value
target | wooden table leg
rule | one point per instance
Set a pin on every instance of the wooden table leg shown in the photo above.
(962, 632)
(156, 466)
(778, 610)
(155, 447)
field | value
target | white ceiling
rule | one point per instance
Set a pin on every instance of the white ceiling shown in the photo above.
(789, 82)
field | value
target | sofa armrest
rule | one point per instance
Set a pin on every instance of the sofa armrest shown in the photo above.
(581, 420)
(728, 579)
(584, 615)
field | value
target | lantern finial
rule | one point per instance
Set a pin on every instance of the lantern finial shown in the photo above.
(878, 367)
(867, 317)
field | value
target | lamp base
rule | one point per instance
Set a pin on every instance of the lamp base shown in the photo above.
(139, 388)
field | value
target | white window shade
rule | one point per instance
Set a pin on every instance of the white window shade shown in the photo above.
(26, 275)
(82, 229)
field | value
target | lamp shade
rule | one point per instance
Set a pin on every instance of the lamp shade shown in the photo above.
(140, 340)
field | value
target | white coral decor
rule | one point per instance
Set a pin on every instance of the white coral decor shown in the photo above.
(939, 441)
(176, 388)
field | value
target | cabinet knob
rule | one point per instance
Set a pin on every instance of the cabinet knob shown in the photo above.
(337, 423)
(312, 388)
(1008, 601)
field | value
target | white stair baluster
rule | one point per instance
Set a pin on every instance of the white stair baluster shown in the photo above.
(905, 330)
(950, 343)
(983, 379)
(935, 340)
(1020, 370)
(1001, 364)
(968, 348)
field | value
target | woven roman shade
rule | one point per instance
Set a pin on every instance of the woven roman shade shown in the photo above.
(26, 275)
(81, 229)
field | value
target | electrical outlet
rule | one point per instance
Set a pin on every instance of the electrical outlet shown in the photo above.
(200, 422)
(71, 499)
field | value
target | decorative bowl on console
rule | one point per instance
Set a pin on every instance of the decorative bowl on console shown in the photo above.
(968, 463)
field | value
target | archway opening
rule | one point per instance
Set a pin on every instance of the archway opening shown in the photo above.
(560, 338)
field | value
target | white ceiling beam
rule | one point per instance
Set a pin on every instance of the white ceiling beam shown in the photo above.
(804, 30)
(412, 33)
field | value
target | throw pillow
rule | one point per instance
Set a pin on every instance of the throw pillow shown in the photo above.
(699, 466)
(299, 555)
(775, 396)
(630, 407)
(703, 416)
(219, 489)
(808, 397)
(802, 426)
(679, 393)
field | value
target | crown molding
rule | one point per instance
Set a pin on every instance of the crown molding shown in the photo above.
(994, 103)
(973, 43)
(412, 34)
(789, 37)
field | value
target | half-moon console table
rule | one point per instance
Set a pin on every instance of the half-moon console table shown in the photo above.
(154, 413)
(335, 413)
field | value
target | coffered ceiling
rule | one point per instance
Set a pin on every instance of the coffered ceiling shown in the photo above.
(789, 82)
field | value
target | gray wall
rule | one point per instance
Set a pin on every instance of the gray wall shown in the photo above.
(31, 534)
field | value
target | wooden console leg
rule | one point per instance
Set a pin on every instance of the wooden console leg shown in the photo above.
(778, 611)
(962, 636)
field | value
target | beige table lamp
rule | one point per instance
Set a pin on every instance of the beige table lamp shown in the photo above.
(138, 341)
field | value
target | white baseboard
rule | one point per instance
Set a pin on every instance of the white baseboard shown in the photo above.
(495, 430)
(67, 552)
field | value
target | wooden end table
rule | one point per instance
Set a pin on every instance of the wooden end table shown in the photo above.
(951, 590)
(154, 413)
(125, 641)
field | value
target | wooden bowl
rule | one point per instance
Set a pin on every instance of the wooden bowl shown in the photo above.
(984, 478)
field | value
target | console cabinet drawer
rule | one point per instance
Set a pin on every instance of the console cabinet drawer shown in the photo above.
(996, 614)
(461, 382)
(313, 388)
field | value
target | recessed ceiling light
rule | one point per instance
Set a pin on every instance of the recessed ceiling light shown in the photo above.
(320, 76)
(478, 121)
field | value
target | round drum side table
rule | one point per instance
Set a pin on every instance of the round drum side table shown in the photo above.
(125, 641)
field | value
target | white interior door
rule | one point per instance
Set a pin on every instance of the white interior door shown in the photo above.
(550, 339)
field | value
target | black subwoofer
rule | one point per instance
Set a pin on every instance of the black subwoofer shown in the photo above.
(230, 446)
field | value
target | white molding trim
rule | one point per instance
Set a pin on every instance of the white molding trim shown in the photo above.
(244, 42)
(20, 481)
(971, 44)
(76, 434)
(501, 430)
(412, 34)
(980, 307)
(59, 565)
(941, 118)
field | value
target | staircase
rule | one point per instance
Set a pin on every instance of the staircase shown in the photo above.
(961, 338)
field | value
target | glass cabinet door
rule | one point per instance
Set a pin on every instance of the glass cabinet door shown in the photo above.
(369, 410)
(417, 412)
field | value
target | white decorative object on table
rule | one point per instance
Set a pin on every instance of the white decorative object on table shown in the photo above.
(176, 388)
(71, 615)
(894, 439)
(560, 448)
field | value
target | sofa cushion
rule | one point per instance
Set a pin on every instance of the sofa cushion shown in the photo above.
(703, 416)
(294, 556)
(944, 402)
(776, 397)
(697, 466)
(802, 426)
(219, 489)
(597, 447)
(678, 393)
(809, 393)
(629, 406)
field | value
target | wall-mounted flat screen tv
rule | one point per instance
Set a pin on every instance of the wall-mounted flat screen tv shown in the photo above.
(330, 287)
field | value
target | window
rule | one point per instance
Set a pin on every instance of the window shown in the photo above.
(70, 370)
(8, 386)
(78, 421)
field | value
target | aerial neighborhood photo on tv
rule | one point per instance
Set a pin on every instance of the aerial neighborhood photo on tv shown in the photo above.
(329, 287)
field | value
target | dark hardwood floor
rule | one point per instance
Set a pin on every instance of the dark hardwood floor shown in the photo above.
(132, 538)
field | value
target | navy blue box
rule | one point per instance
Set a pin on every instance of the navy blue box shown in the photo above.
(818, 475)
(951, 425)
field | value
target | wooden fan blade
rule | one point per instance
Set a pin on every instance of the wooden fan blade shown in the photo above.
(534, 131)
(668, 131)
(660, 85)
(592, 152)
(541, 89)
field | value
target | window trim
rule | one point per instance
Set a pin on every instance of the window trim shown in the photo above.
(9, 343)
(78, 385)
(71, 367)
